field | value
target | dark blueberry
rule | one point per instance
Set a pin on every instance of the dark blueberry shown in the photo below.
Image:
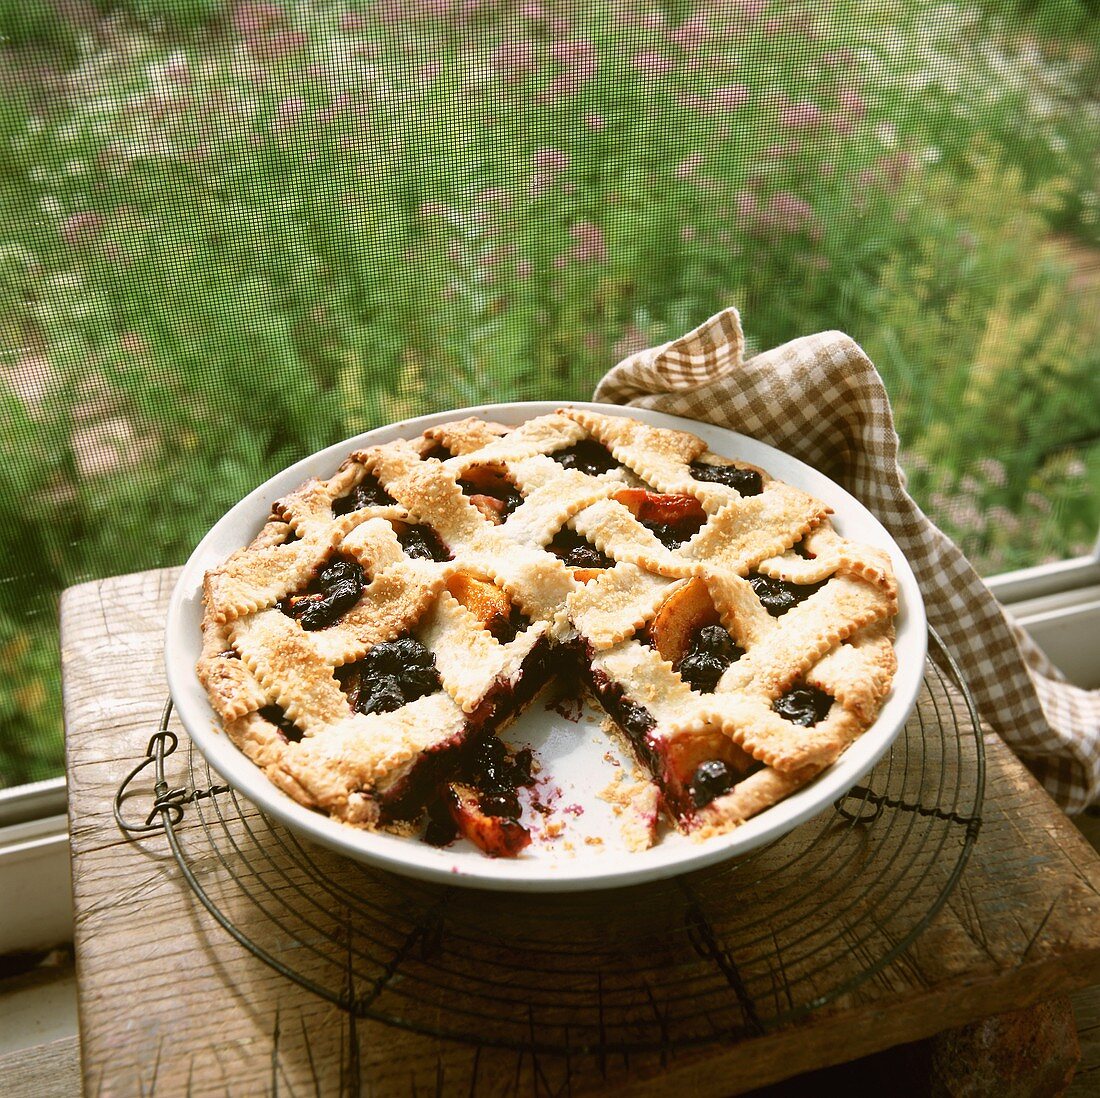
(587, 456)
(711, 651)
(702, 671)
(277, 717)
(499, 803)
(504, 492)
(746, 481)
(803, 705)
(342, 570)
(521, 766)
(390, 675)
(367, 493)
(636, 719)
(381, 694)
(715, 641)
(777, 596)
(489, 767)
(712, 779)
(669, 536)
(505, 629)
(423, 543)
(335, 590)
(441, 827)
(511, 500)
(577, 552)
(396, 656)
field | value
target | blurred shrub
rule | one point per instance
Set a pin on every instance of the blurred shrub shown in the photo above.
(228, 249)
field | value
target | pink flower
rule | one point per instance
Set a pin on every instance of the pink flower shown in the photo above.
(689, 166)
(752, 9)
(353, 21)
(800, 116)
(254, 19)
(288, 112)
(578, 53)
(433, 209)
(852, 104)
(841, 58)
(81, 228)
(746, 203)
(894, 168)
(282, 44)
(652, 63)
(547, 165)
(523, 269)
(692, 33)
(789, 213)
(178, 70)
(693, 102)
(430, 71)
(594, 122)
(589, 244)
(531, 11)
(550, 161)
(730, 97)
(514, 60)
(132, 343)
(687, 234)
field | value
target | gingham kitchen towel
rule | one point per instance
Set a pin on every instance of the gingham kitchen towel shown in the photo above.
(820, 399)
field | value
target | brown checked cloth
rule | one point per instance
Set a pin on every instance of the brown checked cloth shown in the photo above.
(821, 399)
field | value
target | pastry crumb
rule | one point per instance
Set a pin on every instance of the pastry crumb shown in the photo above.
(593, 840)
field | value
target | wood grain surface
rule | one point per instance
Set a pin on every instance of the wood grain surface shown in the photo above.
(170, 1003)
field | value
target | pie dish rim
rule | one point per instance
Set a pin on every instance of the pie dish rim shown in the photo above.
(544, 868)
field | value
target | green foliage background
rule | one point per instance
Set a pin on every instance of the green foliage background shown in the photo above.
(236, 232)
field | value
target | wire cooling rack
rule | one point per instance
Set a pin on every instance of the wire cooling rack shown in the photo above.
(728, 952)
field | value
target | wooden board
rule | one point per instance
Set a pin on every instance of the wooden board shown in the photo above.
(170, 1002)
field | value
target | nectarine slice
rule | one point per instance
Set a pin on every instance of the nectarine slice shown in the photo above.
(680, 616)
(683, 513)
(484, 600)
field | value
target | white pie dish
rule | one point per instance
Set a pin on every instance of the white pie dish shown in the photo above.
(574, 755)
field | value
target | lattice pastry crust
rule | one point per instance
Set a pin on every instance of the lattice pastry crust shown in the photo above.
(737, 640)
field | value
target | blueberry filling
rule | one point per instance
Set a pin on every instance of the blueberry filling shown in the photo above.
(668, 535)
(587, 456)
(502, 492)
(778, 596)
(497, 775)
(422, 542)
(390, 675)
(747, 481)
(367, 493)
(441, 828)
(711, 779)
(577, 552)
(803, 705)
(287, 728)
(506, 629)
(335, 591)
(711, 651)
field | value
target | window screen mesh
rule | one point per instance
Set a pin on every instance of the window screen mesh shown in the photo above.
(234, 233)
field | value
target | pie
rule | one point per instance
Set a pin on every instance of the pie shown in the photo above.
(385, 624)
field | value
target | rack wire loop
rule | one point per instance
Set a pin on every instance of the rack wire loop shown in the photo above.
(167, 803)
